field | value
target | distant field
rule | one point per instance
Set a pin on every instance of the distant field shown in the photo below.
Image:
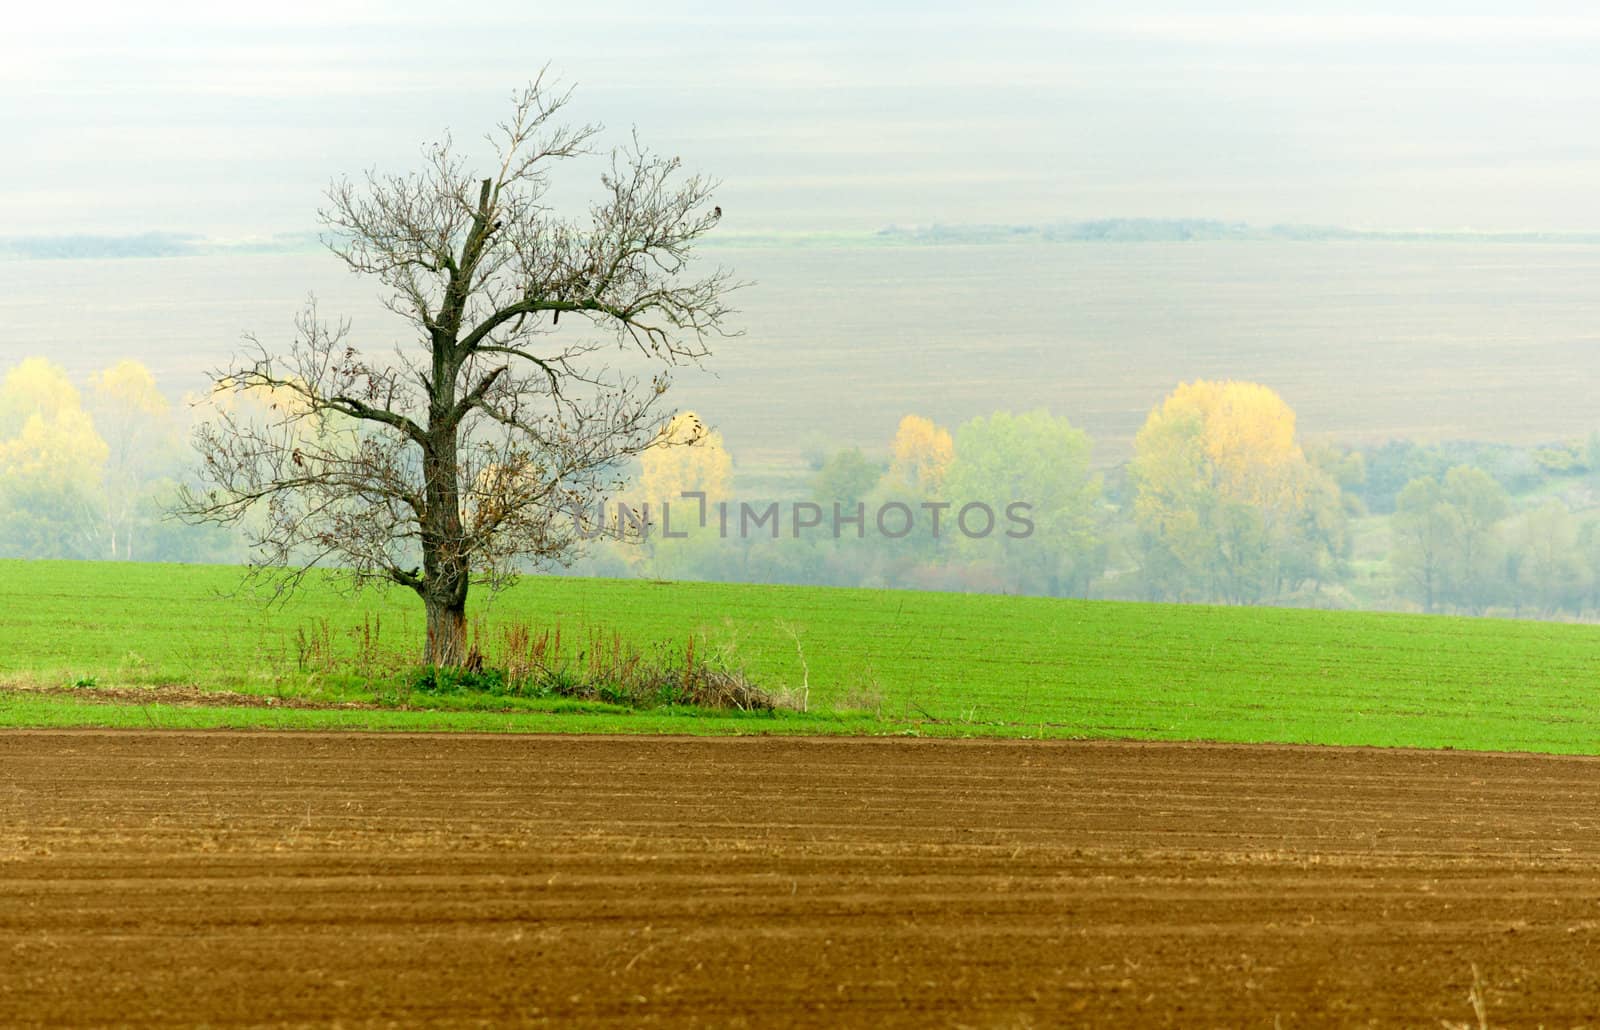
(1367, 341)
(902, 662)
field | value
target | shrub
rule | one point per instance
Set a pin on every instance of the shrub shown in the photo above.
(439, 680)
(606, 669)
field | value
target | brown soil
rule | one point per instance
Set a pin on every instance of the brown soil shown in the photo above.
(224, 878)
(178, 694)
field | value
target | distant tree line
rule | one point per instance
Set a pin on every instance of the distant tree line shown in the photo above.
(1222, 502)
(91, 474)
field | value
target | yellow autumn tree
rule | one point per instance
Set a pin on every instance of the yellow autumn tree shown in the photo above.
(921, 455)
(685, 458)
(1227, 504)
(135, 418)
(45, 435)
(35, 386)
(52, 466)
(130, 386)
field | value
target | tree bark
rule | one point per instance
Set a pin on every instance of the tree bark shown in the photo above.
(447, 631)
(446, 575)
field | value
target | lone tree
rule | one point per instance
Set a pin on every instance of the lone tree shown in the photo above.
(464, 457)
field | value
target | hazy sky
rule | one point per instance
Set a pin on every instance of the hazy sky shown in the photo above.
(229, 119)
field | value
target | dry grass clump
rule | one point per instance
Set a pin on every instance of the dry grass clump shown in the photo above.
(515, 659)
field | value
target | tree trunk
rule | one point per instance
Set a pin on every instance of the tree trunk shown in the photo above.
(447, 631)
(446, 568)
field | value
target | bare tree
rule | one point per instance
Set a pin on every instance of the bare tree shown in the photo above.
(463, 457)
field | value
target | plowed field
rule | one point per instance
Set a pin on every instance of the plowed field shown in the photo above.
(263, 878)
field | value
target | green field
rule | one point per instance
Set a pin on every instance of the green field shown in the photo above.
(875, 662)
